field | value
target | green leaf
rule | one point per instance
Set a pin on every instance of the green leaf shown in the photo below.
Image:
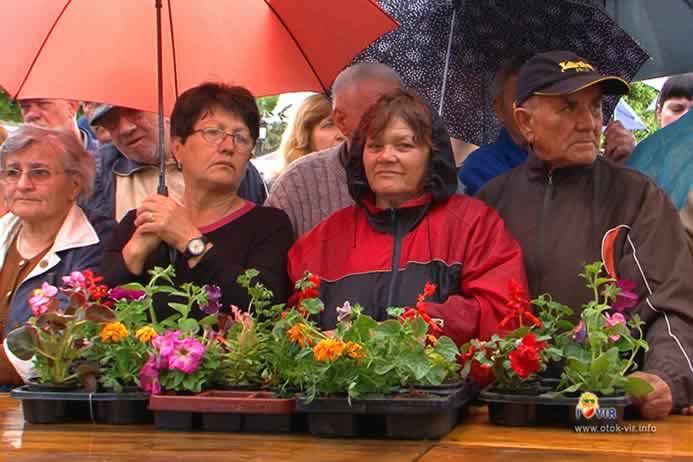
(389, 328)
(22, 342)
(419, 327)
(600, 365)
(189, 326)
(209, 321)
(446, 348)
(312, 305)
(100, 314)
(637, 387)
(179, 307)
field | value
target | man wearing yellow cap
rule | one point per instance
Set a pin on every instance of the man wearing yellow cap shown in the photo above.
(568, 206)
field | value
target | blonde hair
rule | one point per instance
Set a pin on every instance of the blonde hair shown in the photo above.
(296, 140)
(3, 134)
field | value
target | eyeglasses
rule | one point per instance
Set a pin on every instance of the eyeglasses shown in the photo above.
(217, 135)
(35, 175)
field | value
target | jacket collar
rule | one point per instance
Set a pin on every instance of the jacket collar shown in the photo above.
(126, 167)
(405, 217)
(76, 231)
(538, 170)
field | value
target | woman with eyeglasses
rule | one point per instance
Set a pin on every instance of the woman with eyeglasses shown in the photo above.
(213, 235)
(45, 234)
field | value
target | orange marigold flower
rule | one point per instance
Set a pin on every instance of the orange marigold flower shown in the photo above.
(113, 332)
(329, 350)
(145, 334)
(297, 334)
(354, 350)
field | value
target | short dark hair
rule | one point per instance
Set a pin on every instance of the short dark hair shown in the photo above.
(508, 68)
(677, 86)
(198, 101)
(405, 104)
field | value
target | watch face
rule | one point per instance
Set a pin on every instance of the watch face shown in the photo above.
(196, 246)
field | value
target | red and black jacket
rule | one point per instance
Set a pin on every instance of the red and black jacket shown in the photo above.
(380, 258)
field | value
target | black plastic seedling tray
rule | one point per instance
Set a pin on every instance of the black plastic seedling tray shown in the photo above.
(418, 414)
(47, 407)
(550, 409)
(227, 411)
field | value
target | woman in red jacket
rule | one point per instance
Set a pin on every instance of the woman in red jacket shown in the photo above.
(409, 227)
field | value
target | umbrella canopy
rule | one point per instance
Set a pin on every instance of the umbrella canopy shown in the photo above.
(661, 27)
(666, 156)
(106, 51)
(486, 33)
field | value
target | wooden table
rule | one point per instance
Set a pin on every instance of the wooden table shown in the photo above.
(473, 440)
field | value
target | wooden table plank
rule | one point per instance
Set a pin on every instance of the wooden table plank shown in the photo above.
(72, 442)
(673, 437)
(475, 439)
(453, 452)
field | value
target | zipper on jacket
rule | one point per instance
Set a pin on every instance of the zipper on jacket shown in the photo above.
(395, 257)
(548, 195)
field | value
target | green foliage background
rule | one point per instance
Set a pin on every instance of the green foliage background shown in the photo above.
(640, 97)
(9, 111)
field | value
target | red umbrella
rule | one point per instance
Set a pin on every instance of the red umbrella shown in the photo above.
(106, 51)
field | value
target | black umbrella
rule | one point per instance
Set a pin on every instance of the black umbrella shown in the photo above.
(449, 50)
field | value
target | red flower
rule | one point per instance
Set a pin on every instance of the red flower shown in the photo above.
(429, 289)
(482, 374)
(312, 291)
(520, 308)
(524, 360)
(433, 327)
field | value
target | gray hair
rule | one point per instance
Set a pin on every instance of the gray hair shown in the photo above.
(362, 72)
(74, 158)
(507, 69)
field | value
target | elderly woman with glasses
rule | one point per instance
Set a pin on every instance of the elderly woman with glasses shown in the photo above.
(45, 234)
(213, 235)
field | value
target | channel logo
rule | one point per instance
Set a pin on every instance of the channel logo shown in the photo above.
(588, 407)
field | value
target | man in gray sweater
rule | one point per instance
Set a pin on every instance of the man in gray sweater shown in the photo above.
(315, 186)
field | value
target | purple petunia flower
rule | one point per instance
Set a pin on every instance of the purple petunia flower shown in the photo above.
(121, 293)
(344, 312)
(579, 332)
(213, 297)
(626, 299)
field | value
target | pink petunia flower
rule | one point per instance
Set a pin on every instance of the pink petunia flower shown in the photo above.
(41, 298)
(187, 356)
(149, 377)
(76, 280)
(613, 320)
(626, 299)
(165, 345)
(121, 293)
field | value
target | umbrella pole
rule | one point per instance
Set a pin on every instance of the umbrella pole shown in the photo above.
(455, 6)
(162, 189)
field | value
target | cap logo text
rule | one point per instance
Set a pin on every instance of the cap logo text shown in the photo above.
(578, 66)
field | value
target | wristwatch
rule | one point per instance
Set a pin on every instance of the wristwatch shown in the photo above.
(195, 247)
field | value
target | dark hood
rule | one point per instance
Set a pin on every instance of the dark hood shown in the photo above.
(442, 181)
